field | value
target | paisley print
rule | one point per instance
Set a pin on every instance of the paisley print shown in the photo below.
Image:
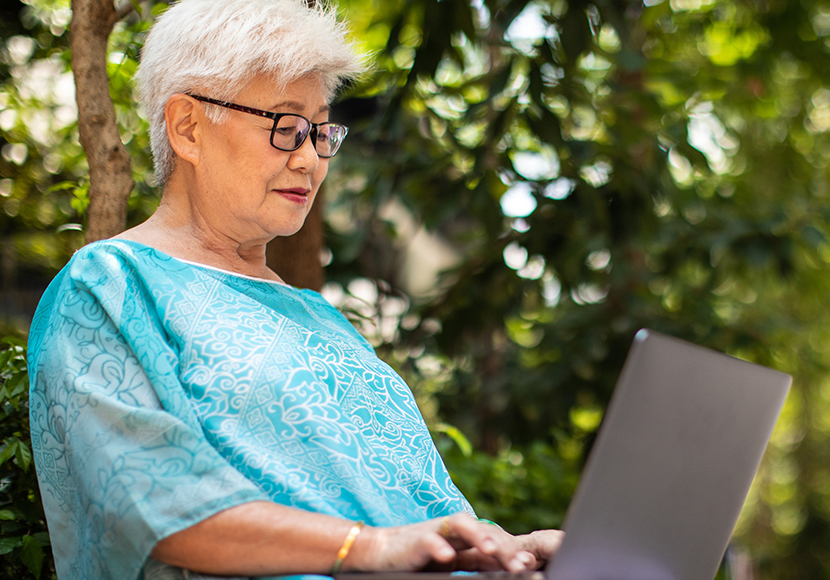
(164, 391)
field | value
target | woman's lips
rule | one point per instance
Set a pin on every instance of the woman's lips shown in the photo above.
(295, 194)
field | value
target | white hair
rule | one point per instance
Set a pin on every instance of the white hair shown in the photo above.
(215, 47)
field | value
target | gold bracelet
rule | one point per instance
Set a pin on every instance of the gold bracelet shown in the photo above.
(347, 545)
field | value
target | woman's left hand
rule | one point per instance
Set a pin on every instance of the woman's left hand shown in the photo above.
(541, 545)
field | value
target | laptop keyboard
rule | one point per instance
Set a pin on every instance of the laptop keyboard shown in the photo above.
(527, 575)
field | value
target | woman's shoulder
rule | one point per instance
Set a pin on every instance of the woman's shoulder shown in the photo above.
(121, 251)
(94, 281)
(115, 262)
(107, 271)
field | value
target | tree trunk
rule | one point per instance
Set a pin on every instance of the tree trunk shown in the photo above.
(297, 258)
(110, 173)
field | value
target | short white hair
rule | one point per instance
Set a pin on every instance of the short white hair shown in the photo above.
(215, 47)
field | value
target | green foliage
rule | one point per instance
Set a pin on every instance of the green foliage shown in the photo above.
(629, 164)
(24, 539)
(43, 170)
(521, 489)
(581, 169)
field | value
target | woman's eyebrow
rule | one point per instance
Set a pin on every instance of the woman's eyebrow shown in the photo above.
(297, 106)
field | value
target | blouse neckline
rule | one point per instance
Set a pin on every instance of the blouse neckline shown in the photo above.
(200, 265)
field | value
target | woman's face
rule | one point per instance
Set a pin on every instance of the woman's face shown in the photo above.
(247, 190)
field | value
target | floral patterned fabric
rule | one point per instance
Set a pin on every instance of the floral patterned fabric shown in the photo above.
(163, 392)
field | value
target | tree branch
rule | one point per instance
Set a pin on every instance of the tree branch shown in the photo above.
(123, 10)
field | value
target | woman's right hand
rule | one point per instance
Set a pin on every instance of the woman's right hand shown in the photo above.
(453, 542)
(241, 540)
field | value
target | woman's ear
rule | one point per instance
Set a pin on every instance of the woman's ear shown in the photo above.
(182, 118)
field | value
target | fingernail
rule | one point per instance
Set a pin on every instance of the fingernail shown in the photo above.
(527, 558)
(488, 546)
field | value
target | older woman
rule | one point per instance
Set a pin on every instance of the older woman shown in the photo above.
(189, 410)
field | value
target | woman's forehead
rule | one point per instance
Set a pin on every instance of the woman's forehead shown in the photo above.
(304, 95)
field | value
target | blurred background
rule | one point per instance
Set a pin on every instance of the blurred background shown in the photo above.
(526, 184)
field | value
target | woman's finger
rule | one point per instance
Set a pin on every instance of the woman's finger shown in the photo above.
(464, 532)
(439, 549)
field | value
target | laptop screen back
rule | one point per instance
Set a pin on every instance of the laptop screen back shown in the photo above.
(671, 466)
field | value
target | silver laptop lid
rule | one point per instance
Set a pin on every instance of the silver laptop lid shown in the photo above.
(671, 466)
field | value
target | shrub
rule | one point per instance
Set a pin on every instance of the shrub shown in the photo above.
(24, 539)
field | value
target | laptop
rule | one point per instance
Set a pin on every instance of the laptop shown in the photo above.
(669, 470)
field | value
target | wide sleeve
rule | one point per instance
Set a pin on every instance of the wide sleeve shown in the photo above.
(119, 469)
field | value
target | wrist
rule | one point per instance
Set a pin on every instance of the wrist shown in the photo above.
(346, 548)
(361, 556)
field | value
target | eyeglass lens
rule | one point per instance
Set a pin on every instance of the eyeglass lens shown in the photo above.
(290, 132)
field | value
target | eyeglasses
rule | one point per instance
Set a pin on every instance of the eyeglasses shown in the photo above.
(290, 131)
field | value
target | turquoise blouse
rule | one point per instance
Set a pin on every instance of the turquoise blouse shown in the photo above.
(163, 392)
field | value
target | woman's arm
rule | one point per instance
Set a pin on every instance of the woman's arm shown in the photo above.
(264, 538)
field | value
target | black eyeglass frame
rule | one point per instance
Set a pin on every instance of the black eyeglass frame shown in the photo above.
(312, 131)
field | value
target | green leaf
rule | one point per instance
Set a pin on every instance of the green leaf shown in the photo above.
(23, 456)
(14, 341)
(9, 448)
(137, 7)
(32, 555)
(159, 9)
(457, 436)
(62, 186)
(9, 544)
(80, 200)
(43, 538)
(15, 387)
(6, 515)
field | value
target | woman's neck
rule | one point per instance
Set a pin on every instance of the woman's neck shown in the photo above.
(182, 234)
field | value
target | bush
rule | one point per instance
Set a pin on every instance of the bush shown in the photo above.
(24, 539)
(521, 489)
